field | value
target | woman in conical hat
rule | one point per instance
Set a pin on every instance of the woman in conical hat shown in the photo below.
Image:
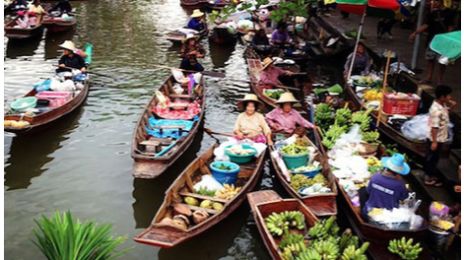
(191, 51)
(270, 74)
(285, 119)
(197, 23)
(250, 123)
(70, 59)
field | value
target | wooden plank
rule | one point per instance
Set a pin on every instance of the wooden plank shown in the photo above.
(203, 197)
(150, 143)
(181, 96)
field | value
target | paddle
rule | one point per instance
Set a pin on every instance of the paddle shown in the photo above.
(206, 73)
(91, 72)
(211, 132)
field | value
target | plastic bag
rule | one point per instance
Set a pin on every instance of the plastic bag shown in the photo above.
(209, 183)
(43, 86)
(417, 128)
(353, 137)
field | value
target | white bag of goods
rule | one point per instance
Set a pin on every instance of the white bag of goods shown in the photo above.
(209, 183)
(417, 128)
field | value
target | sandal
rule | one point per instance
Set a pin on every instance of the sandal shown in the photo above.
(430, 182)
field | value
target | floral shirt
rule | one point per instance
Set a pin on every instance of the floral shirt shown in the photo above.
(439, 118)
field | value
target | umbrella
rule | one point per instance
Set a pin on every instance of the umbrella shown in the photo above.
(360, 7)
(447, 45)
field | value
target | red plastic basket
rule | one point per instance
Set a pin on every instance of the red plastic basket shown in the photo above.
(407, 106)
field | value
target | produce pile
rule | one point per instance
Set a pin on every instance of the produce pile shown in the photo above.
(371, 81)
(16, 124)
(373, 95)
(405, 249)
(323, 241)
(306, 185)
(273, 93)
(294, 149)
(239, 150)
(335, 123)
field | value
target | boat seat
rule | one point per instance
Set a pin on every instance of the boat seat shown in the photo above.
(150, 143)
(181, 96)
(179, 105)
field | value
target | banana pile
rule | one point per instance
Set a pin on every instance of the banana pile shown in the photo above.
(228, 192)
(292, 245)
(278, 223)
(16, 124)
(351, 253)
(372, 95)
(405, 248)
(324, 229)
(298, 181)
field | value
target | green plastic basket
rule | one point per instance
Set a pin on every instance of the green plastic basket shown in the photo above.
(240, 159)
(22, 104)
(295, 161)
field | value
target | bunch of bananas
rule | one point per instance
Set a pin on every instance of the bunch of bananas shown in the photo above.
(228, 192)
(309, 254)
(292, 245)
(298, 181)
(405, 248)
(373, 161)
(351, 253)
(347, 239)
(290, 239)
(278, 223)
(373, 94)
(323, 229)
(328, 250)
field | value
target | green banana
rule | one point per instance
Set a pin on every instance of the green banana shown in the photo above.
(405, 249)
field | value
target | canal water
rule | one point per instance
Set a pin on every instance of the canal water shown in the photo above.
(83, 163)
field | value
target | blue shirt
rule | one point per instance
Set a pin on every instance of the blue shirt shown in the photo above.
(196, 24)
(385, 192)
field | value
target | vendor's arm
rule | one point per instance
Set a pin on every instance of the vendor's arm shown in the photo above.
(82, 64)
(302, 121)
(419, 30)
(266, 130)
(61, 62)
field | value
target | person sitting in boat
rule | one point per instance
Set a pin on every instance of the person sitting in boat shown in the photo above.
(191, 51)
(197, 23)
(269, 76)
(280, 36)
(17, 5)
(386, 189)
(260, 39)
(62, 7)
(362, 61)
(36, 8)
(70, 60)
(251, 124)
(285, 119)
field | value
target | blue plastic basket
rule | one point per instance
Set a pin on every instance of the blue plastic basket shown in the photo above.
(223, 176)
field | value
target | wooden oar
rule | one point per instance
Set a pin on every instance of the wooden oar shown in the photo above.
(91, 72)
(211, 132)
(206, 73)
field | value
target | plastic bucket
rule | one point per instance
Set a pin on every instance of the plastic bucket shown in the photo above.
(240, 159)
(438, 239)
(225, 176)
(309, 174)
(22, 104)
(295, 161)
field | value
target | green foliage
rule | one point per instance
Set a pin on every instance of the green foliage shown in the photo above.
(230, 9)
(290, 9)
(63, 237)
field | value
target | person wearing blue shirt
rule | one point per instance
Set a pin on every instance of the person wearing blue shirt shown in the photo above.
(196, 23)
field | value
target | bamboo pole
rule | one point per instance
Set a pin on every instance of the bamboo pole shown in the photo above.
(384, 87)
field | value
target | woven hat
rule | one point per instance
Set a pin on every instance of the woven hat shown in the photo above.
(197, 13)
(266, 62)
(68, 45)
(250, 98)
(396, 164)
(189, 36)
(287, 97)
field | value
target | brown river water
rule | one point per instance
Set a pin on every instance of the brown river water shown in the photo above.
(83, 163)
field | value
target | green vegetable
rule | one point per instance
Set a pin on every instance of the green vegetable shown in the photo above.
(205, 192)
(224, 167)
(370, 136)
(361, 118)
(293, 149)
(273, 93)
(332, 135)
(343, 116)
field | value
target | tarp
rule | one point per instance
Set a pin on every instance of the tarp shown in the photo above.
(447, 44)
(170, 132)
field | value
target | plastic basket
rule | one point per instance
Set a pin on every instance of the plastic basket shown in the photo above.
(240, 159)
(223, 176)
(295, 161)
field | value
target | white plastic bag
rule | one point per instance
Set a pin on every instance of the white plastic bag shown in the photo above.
(209, 183)
(417, 128)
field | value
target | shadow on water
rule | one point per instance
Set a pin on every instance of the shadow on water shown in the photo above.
(220, 53)
(25, 161)
(18, 48)
(147, 192)
(53, 40)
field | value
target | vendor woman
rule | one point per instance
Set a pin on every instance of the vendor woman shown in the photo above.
(251, 124)
(386, 189)
(285, 119)
(362, 61)
(269, 76)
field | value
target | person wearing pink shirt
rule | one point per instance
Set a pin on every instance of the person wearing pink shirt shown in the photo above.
(269, 76)
(285, 119)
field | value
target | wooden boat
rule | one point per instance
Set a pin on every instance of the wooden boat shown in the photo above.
(263, 203)
(178, 36)
(193, 3)
(166, 236)
(56, 24)
(49, 116)
(151, 163)
(321, 205)
(217, 5)
(22, 33)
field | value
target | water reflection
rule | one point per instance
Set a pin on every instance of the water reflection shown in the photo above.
(220, 53)
(19, 48)
(147, 193)
(29, 154)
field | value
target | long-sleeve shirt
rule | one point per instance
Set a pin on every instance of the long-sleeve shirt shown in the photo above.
(75, 61)
(286, 122)
(196, 24)
(362, 63)
(253, 125)
(270, 76)
(279, 37)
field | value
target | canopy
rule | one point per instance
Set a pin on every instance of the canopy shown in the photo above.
(359, 6)
(447, 44)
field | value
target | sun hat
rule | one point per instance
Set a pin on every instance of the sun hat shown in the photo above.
(197, 13)
(68, 45)
(287, 97)
(189, 36)
(266, 62)
(396, 164)
(250, 98)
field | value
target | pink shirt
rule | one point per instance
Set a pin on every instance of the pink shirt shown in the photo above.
(278, 120)
(270, 76)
